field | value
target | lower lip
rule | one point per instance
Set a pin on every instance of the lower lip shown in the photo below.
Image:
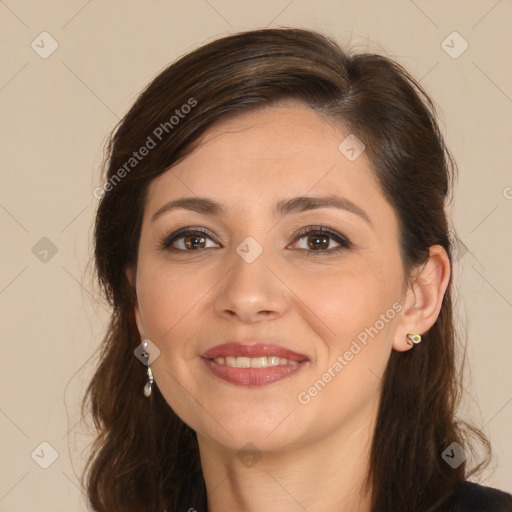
(252, 376)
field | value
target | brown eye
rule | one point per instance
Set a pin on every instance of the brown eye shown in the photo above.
(318, 242)
(193, 240)
(318, 239)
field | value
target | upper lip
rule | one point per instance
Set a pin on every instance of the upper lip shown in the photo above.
(236, 349)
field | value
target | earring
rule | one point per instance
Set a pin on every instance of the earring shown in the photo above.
(149, 383)
(413, 338)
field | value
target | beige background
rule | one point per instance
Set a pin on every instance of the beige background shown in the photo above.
(55, 114)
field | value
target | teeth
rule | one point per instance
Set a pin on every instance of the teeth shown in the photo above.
(254, 362)
(258, 362)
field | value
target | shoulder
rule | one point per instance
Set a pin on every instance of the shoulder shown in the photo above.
(472, 497)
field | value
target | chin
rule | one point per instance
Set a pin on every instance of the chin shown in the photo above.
(260, 431)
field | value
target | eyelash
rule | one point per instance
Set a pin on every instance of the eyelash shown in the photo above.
(309, 230)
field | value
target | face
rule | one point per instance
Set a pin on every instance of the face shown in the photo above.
(252, 273)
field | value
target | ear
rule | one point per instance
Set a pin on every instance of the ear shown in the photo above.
(131, 275)
(424, 298)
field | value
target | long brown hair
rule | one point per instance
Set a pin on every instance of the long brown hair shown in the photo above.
(144, 456)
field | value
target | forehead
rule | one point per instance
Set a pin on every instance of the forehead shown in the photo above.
(289, 131)
(260, 157)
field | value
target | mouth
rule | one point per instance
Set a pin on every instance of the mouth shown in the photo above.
(253, 365)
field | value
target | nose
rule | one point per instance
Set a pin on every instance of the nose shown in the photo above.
(251, 291)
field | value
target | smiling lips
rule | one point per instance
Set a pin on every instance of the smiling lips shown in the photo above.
(252, 365)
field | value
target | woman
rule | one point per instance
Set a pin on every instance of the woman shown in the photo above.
(273, 241)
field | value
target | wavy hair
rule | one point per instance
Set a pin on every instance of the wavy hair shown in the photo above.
(144, 456)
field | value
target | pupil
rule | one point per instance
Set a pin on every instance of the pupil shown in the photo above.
(193, 237)
(316, 239)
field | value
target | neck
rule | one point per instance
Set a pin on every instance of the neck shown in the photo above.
(326, 476)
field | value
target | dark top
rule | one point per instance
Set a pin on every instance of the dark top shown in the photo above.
(466, 497)
(471, 497)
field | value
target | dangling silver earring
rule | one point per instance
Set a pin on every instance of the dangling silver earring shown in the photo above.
(149, 384)
(414, 338)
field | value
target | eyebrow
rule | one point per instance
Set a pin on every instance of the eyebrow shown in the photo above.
(207, 206)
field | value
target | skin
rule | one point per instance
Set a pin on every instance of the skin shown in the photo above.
(310, 456)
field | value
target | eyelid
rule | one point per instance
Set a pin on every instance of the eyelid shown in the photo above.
(332, 233)
(175, 235)
(339, 238)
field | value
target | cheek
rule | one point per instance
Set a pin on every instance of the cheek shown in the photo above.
(350, 302)
(359, 309)
(168, 298)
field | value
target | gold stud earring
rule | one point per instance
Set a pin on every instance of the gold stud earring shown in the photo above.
(413, 338)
